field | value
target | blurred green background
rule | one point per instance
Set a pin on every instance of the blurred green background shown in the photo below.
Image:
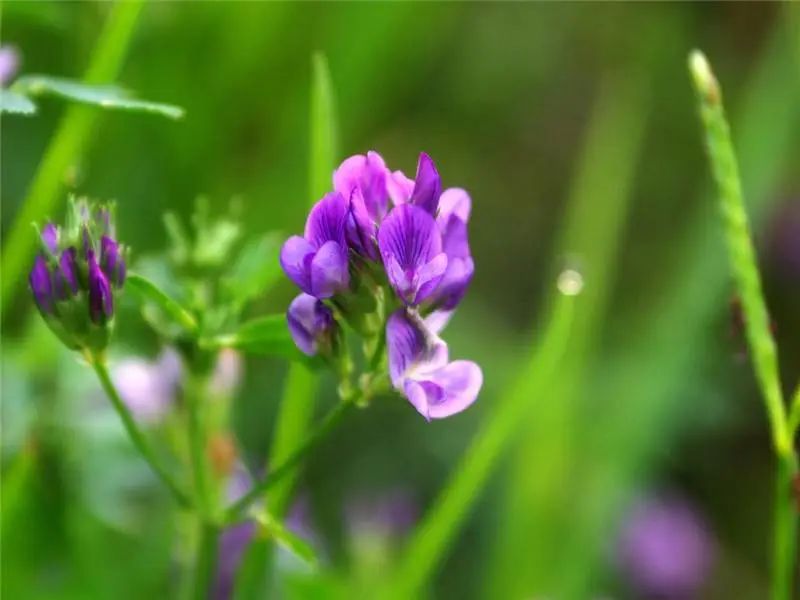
(573, 128)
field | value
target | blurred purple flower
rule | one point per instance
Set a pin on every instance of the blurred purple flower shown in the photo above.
(317, 262)
(311, 324)
(665, 550)
(227, 373)
(9, 63)
(234, 540)
(420, 369)
(148, 388)
(389, 514)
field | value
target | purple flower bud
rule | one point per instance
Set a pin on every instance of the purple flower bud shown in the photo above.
(66, 276)
(50, 237)
(111, 261)
(9, 63)
(411, 248)
(101, 302)
(318, 262)
(41, 285)
(311, 323)
(427, 185)
(420, 369)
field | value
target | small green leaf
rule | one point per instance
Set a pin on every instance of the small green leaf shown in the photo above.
(271, 527)
(265, 336)
(148, 291)
(255, 270)
(14, 102)
(106, 96)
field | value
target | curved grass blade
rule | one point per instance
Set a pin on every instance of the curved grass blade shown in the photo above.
(148, 291)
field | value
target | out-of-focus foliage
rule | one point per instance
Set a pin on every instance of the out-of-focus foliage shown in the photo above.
(520, 105)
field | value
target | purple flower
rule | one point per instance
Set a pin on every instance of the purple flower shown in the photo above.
(419, 368)
(41, 285)
(227, 372)
(411, 247)
(66, 275)
(111, 261)
(427, 185)
(664, 549)
(311, 324)
(9, 63)
(318, 262)
(454, 209)
(234, 539)
(101, 302)
(50, 237)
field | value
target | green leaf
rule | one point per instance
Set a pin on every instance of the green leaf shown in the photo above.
(265, 336)
(255, 270)
(106, 96)
(16, 103)
(271, 527)
(148, 291)
(323, 128)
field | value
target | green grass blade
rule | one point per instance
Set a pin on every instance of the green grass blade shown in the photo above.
(432, 537)
(70, 140)
(740, 246)
(324, 133)
(533, 512)
(148, 291)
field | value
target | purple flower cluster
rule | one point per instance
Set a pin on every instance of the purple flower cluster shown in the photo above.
(75, 274)
(380, 231)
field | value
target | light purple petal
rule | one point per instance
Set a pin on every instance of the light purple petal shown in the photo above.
(296, 257)
(368, 175)
(438, 320)
(409, 240)
(454, 284)
(454, 201)
(445, 391)
(362, 230)
(409, 344)
(329, 272)
(399, 187)
(427, 185)
(327, 220)
(50, 237)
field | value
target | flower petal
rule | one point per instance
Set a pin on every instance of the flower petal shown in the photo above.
(101, 302)
(454, 201)
(429, 277)
(329, 272)
(41, 285)
(399, 187)
(445, 391)
(50, 237)
(411, 346)
(327, 220)
(454, 284)
(308, 319)
(427, 185)
(367, 174)
(296, 256)
(409, 240)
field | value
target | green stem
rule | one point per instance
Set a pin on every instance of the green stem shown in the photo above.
(70, 139)
(133, 432)
(288, 465)
(206, 562)
(197, 444)
(784, 548)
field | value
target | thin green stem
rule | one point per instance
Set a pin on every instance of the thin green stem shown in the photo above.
(197, 443)
(135, 434)
(288, 466)
(761, 344)
(70, 139)
(794, 413)
(206, 561)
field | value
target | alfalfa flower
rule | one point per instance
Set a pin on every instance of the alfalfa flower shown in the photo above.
(76, 273)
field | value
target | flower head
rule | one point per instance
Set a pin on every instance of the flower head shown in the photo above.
(419, 368)
(76, 274)
(318, 261)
